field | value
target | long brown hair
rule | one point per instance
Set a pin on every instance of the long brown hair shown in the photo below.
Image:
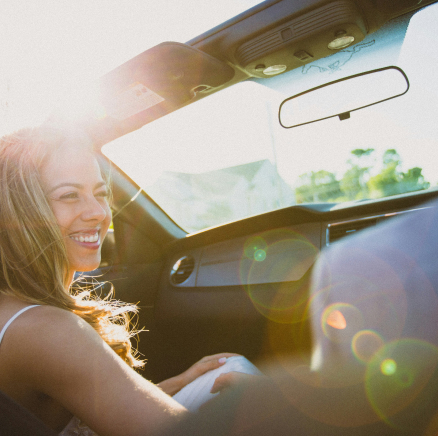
(33, 256)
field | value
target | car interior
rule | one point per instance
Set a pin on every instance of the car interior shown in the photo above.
(240, 156)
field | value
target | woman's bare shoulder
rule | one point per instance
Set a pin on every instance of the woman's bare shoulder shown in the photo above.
(47, 337)
(52, 318)
(41, 319)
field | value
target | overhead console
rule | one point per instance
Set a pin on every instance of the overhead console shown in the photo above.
(280, 35)
(286, 35)
(303, 39)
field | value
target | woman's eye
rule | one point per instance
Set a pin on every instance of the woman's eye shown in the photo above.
(69, 195)
(76, 195)
(102, 194)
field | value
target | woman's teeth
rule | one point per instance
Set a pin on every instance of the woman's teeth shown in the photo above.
(90, 238)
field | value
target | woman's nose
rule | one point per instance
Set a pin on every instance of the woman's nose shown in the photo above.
(94, 210)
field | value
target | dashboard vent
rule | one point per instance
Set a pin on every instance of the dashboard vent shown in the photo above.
(338, 231)
(182, 269)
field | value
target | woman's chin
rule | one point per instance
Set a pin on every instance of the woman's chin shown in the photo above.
(85, 266)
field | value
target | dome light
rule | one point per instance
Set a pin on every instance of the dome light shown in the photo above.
(274, 69)
(340, 42)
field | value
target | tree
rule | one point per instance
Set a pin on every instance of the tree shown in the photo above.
(354, 182)
(387, 181)
(392, 181)
(413, 180)
(318, 186)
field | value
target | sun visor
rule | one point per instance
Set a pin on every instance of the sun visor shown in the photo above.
(152, 84)
(170, 73)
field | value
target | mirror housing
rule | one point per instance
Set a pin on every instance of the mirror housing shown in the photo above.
(343, 96)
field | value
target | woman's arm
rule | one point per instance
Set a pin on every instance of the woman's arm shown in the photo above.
(60, 355)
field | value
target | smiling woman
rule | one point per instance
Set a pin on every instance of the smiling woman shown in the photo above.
(53, 195)
(54, 216)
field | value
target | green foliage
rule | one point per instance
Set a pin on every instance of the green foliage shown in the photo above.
(413, 180)
(357, 183)
(386, 182)
(318, 186)
(354, 181)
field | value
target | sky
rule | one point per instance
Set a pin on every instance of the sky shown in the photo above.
(49, 48)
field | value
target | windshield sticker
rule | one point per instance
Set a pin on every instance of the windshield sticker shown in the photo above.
(343, 57)
(387, 42)
(131, 101)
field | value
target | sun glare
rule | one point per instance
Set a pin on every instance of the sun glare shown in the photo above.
(51, 49)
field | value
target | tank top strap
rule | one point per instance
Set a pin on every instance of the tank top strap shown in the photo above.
(2, 333)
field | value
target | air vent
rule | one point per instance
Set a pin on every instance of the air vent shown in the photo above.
(182, 269)
(336, 231)
(340, 230)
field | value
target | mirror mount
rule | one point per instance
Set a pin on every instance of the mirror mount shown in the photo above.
(344, 116)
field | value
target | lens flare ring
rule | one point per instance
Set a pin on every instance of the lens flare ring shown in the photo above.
(275, 273)
(341, 321)
(365, 344)
(397, 375)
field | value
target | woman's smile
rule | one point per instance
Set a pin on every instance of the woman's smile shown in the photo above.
(86, 236)
(88, 239)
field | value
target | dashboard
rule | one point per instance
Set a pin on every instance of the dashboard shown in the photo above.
(280, 254)
(245, 286)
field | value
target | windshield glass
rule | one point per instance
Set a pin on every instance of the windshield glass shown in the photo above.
(226, 157)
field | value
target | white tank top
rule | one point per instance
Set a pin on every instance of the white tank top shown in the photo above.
(2, 333)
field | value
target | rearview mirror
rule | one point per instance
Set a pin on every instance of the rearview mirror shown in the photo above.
(340, 97)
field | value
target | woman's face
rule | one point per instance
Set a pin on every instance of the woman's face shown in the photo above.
(78, 195)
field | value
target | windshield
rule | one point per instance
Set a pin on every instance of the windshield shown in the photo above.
(226, 157)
